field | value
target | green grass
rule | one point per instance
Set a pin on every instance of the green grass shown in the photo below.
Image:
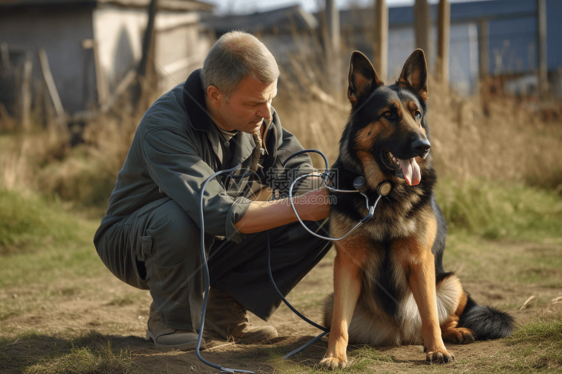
(53, 262)
(90, 353)
(479, 259)
(39, 242)
(492, 228)
(360, 360)
(536, 346)
(539, 331)
(50, 258)
(498, 211)
(28, 222)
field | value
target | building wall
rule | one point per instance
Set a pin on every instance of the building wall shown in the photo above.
(283, 46)
(118, 33)
(60, 31)
(180, 47)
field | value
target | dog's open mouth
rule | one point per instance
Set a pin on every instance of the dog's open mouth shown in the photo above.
(407, 169)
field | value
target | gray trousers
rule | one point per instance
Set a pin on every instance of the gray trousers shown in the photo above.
(158, 248)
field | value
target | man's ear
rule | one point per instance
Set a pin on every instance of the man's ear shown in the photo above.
(362, 77)
(414, 74)
(215, 96)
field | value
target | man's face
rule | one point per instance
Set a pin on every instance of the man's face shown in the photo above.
(247, 107)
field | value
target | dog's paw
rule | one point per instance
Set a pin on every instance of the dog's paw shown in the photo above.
(460, 335)
(333, 363)
(441, 356)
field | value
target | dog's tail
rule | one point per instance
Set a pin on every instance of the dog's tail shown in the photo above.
(485, 321)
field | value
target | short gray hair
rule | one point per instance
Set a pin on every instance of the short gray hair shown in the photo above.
(235, 56)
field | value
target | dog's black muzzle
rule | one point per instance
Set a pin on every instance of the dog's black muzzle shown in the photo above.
(421, 147)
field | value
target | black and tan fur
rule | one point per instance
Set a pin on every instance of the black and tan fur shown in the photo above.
(390, 287)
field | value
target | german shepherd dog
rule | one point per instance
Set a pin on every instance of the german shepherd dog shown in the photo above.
(390, 287)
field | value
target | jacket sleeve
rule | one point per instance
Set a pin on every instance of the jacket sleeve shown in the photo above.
(297, 166)
(172, 162)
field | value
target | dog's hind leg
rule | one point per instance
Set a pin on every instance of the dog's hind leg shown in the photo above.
(347, 287)
(450, 292)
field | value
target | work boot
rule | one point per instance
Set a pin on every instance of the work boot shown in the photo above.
(227, 318)
(167, 337)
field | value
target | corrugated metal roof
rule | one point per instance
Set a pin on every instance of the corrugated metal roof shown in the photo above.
(281, 19)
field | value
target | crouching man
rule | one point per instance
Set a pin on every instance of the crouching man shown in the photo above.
(221, 116)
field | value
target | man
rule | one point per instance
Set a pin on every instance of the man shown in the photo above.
(150, 237)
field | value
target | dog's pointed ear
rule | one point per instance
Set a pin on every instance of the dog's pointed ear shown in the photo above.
(362, 77)
(414, 74)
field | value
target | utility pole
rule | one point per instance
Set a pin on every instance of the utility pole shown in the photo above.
(422, 26)
(484, 64)
(332, 46)
(146, 66)
(443, 37)
(381, 39)
(483, 46)
(541, 41)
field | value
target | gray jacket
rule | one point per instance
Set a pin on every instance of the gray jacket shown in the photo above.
(177, 147)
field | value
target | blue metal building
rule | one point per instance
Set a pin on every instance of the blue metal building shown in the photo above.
(512, 39)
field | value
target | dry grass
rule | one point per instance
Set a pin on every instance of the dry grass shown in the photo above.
(492, 137)
(507, 142)
(90, 353)
(511, 143)
(43, 161)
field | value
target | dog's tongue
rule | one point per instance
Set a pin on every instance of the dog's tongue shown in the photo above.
(411, 171)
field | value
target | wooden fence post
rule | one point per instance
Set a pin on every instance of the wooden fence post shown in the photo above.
(483, 46)
(102, 86)
(443, 37)
(541, 39)
(381, 39)
(5, 56)
(51, 88)
(25, 99)
(484, 65)
(332, 46)
(422, 26)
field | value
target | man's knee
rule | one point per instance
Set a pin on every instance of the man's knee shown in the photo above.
(173, 234)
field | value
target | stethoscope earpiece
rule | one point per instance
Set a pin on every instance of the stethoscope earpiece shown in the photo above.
(360, 184)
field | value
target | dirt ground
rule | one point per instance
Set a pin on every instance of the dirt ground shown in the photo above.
(119, 313)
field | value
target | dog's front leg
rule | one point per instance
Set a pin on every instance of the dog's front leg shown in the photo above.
(422, 284)
(347, 286)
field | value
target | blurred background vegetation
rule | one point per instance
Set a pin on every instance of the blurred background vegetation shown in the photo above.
(499, 173)
(498, 152)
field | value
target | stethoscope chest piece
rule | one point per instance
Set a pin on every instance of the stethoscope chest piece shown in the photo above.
(384, 188)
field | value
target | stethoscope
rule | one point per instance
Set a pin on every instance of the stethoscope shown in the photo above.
(359, 183)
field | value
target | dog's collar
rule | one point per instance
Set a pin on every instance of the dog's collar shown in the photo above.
(384, 187)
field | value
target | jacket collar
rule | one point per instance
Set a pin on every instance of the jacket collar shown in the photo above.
(194, 101)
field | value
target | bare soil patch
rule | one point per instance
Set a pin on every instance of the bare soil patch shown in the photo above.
(53, 315)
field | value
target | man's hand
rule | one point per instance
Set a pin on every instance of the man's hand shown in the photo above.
(265, 215)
